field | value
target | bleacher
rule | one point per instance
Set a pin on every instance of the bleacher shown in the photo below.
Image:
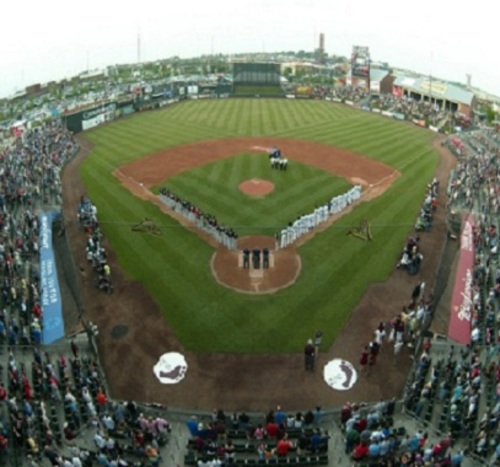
(308, 445)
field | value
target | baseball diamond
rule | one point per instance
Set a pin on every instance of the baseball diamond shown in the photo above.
(165, 290)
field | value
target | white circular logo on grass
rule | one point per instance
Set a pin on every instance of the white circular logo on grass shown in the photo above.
(340, 374)
(170, 368)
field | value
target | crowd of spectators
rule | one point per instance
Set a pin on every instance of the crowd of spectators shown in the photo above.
(94, 251)
(413, 108)
(412, 256)
(206, 222)
(29, 181)
(349, 93)
(406, 107)
(222, 439)
(459, 392)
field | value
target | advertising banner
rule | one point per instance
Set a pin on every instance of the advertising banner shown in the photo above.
(397, 91)
(462, 299)
(98, 115)
(53, 324)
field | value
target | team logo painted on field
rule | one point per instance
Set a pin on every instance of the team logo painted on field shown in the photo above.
(170, 368)
(340, 374)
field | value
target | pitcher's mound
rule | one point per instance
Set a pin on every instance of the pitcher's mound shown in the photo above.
(283, 271)
(256, 187)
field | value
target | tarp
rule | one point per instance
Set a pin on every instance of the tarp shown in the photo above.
(53, 324)
(462, 299)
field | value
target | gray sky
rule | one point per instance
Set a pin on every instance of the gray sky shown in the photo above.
(54, 39)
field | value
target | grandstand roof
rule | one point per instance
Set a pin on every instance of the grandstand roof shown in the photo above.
(377, 74)
(437, 89)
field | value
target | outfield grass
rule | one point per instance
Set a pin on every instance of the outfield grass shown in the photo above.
(336, 268)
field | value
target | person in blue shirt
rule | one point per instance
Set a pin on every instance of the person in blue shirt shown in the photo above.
(279, 416)
(192, 424)
(414, 444)
(315, 441)
(374, 450)
(457, 458)
(318, 415)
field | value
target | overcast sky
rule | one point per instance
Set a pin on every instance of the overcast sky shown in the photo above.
(54, 39)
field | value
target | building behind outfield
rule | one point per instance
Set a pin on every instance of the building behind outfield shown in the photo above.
(447, 96)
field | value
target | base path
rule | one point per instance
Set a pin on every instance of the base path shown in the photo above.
(236, 381)
(156, 168)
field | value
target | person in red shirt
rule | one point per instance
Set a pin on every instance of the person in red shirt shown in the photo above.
(101, 399)
(284, 445)
(3, 392)
(362, 424)
(437, 450)
(272, 430)
(28, 395)
(37, 310)
(346, 412)
(363, 361)
(360, 451)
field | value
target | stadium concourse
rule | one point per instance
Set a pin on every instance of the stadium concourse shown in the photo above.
(56, 409)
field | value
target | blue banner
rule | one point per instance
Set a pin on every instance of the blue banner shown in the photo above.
(53, 324)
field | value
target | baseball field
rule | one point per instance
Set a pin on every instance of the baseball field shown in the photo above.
(336, 269)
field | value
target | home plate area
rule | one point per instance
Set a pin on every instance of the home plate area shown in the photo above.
(256, 267)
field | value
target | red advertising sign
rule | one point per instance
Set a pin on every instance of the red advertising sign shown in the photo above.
(462, 299)
(397, 91)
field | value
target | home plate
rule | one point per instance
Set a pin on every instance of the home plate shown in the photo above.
(256, 273)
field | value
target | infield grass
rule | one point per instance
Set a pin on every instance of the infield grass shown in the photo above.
(214, 189)
(336, 268)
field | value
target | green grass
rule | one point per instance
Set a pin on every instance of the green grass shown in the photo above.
(336, 268)
(214, 189)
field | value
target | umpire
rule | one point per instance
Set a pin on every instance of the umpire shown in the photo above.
(265, 258)
(256, 258)
(246, 258)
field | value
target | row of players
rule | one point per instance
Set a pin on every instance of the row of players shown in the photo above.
(307, 222)
(279, 164)
(206, 222)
